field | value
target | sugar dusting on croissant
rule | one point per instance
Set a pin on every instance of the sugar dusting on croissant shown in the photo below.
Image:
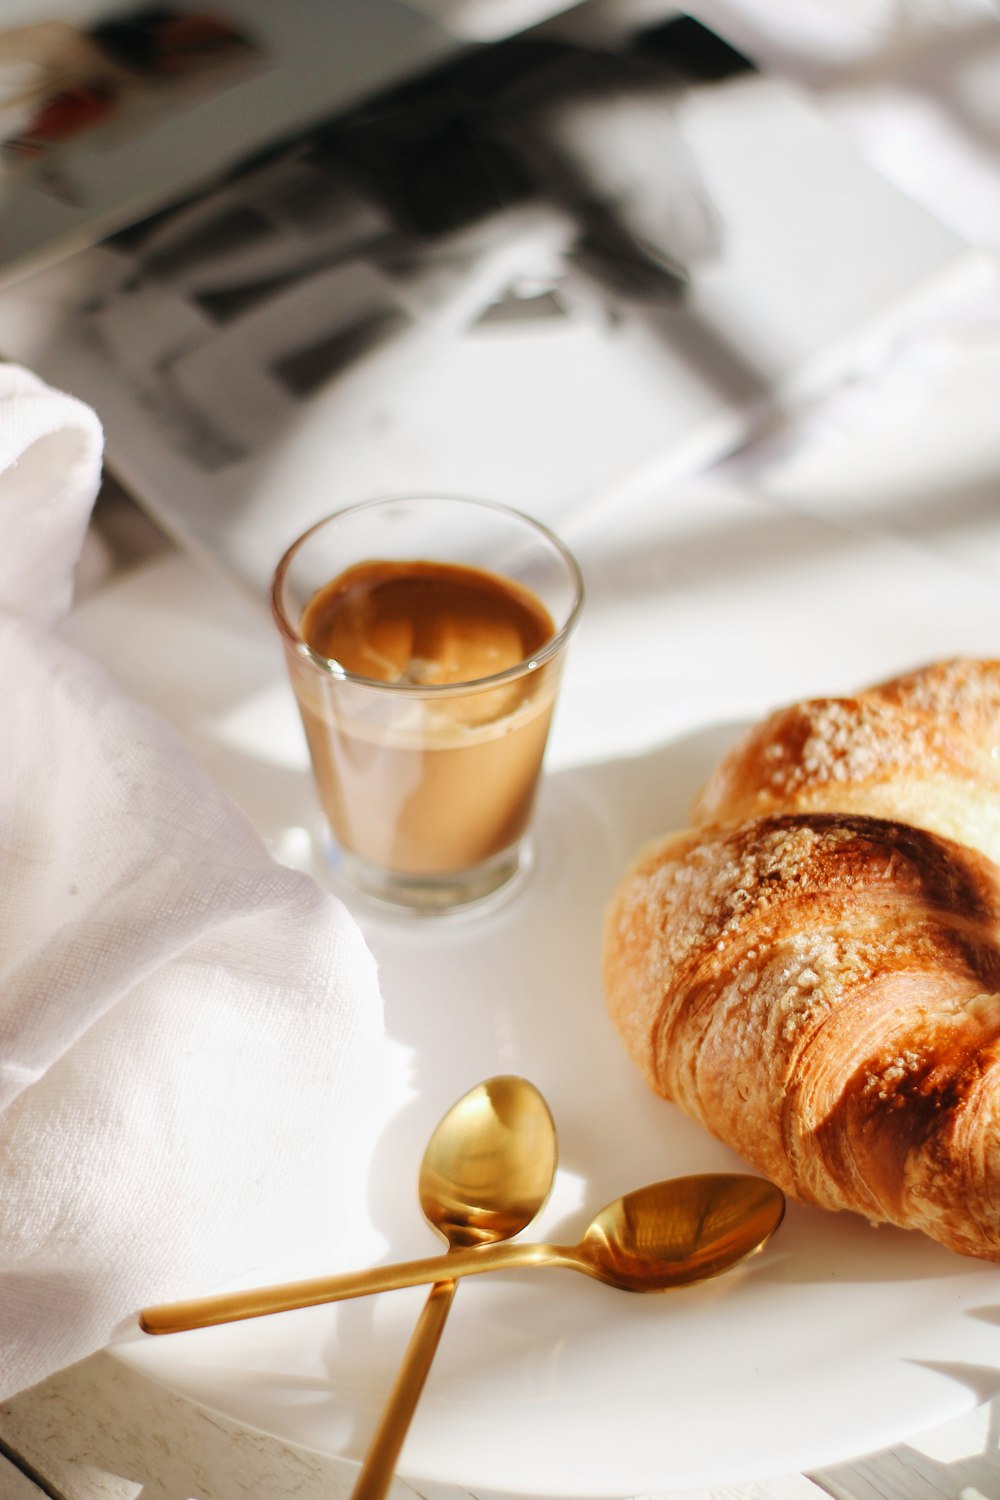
(812, 970)
(923, 748)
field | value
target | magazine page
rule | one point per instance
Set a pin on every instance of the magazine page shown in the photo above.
(534, 271)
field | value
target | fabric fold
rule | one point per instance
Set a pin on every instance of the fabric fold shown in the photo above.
(190, 1033)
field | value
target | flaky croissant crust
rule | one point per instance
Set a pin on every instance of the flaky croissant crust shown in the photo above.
(923, 748)
(820, 988)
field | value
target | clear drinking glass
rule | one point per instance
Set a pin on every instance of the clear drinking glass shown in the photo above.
(428, 786)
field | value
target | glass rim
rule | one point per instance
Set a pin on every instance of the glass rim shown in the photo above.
(331, 668)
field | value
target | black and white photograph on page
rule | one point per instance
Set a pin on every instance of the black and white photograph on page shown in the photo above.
(543, 268)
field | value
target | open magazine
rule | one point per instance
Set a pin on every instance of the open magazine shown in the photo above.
(524, 270)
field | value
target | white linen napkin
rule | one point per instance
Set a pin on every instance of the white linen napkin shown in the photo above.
(188, 1030)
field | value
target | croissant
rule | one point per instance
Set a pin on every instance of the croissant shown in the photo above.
(812, 970)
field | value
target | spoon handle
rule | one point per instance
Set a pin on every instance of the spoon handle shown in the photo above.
(379, 1465)
(230, 1307)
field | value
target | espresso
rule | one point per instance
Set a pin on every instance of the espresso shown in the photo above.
(424, 764)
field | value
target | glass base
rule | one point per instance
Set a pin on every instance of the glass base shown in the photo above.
(428, 895)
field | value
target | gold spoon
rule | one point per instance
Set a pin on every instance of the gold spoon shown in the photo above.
(487, 1171)
(669, 1234)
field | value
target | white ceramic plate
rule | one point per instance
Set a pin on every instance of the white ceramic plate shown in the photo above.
(840, 1338)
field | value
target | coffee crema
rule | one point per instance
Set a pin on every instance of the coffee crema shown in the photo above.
(425, 781)
(424, 623)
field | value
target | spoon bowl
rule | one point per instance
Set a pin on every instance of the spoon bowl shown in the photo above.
(678, 1233)
(670, 1234)
(489, 1165)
